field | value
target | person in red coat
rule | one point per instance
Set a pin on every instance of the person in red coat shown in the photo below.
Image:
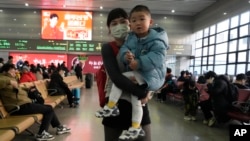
(27, 75)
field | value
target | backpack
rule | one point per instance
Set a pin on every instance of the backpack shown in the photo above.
(101, 78)
(35, 95)
(232, 90)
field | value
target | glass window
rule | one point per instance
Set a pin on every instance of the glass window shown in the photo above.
(244, 18)
(205, 41)
(242, 56)
(198, 52)
(221, 48)
(220, 69)
(220, 59)
(222, 26)
(199, 34)
(204, 60)
(222, 37)
(198, 43)
(211, 40)
(211, 50)
(232, 58)
(197, 61)
(243, 44)
(233, 33)
(210, 68)
(244, 30)
(206, 32)
(241, 68)
(211, 60)
(191, 62)
(231, 69)
(248, 67)
(205, 51)
(203, 69)
(232, 46)
(197, 69)
(248, 57)
(234, 21)
(212, 30)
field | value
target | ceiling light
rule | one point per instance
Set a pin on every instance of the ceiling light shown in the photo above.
(1, 10)
(101, 7)
(14, 19)
(165, 17)
(64, 6)
(26, 4)
(173, 11)
(34, 12)
(225, 13)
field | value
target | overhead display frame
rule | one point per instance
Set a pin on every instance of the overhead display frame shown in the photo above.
(66, 25)
(50, 45)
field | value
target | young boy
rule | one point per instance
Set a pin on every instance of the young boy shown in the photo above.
(191, 97)
(144, 54)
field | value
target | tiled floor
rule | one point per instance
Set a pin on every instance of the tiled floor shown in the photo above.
(167, 123)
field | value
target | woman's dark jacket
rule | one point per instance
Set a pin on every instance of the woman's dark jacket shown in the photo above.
(123, 121)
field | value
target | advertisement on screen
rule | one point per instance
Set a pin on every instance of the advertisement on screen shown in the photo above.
(90, 63)
(42, 59)
(66, 25)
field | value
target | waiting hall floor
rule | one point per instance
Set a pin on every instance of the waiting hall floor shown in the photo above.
(167, 123)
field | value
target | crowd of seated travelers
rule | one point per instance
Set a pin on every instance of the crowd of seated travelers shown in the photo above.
(215, 97)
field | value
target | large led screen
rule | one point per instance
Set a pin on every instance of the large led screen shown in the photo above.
(66, 25)
(42, 59)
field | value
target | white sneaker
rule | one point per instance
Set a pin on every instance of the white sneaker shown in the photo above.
(211, 121)
(107, 112)
(193, 118)
(205, 121)
(131, 134)
(44, 136)
(187, 118)
(62, 130)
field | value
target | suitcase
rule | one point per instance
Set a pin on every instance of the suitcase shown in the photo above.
(76, 93)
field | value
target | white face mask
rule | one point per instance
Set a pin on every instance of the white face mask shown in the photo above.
(119, 31)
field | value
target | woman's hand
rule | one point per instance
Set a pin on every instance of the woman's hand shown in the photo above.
(144, 100)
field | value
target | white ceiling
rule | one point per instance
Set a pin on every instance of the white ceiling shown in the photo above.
(181, 7)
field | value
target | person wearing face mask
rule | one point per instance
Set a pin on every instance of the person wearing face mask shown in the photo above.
(143, 54)
(56, 82)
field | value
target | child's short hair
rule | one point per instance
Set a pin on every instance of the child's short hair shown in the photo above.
(140, 8)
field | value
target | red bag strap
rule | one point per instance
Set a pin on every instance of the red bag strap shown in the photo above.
(114, 47)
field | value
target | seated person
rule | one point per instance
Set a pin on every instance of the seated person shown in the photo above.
(56, 82)
(9, 89)
(240, 81)
(27, 75)
(167, 87)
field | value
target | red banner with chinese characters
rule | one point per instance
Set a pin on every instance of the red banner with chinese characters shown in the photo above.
(91, 65)
(43, 59)
(66, 25)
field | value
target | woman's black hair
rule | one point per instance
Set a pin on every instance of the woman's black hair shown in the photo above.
(116, 13)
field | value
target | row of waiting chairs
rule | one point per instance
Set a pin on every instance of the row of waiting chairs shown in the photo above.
(11, 125)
